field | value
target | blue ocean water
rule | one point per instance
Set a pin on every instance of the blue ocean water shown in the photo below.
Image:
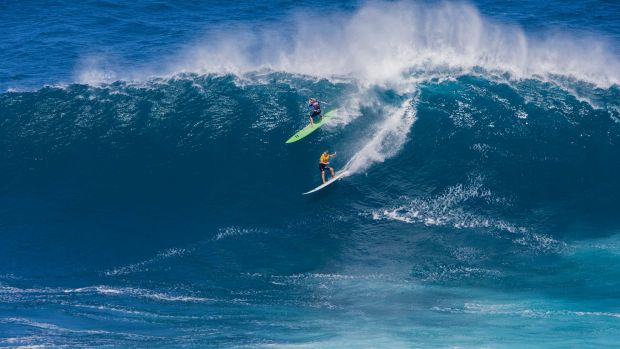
(148, 198)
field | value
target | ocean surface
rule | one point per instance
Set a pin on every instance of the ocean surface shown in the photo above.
(147, 198)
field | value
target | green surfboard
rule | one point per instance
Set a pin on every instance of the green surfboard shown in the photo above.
(311, 128)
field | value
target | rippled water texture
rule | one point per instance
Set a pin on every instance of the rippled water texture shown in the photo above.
(147, 198)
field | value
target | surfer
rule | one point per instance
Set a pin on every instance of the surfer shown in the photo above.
(315, 109)
(324, 162)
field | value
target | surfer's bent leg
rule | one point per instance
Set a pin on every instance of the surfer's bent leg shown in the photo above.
(322, 169)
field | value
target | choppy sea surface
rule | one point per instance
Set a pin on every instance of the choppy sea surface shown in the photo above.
(147, 198)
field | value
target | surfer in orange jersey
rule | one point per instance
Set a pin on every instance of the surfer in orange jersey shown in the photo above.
(324, 162)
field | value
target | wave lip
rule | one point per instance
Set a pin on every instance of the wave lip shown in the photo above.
(384, 43)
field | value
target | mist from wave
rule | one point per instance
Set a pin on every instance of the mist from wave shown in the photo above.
(385, 43)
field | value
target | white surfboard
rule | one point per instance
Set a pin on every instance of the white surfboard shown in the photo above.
(330, 181)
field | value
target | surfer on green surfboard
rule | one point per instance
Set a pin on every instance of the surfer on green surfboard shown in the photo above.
(315, 109)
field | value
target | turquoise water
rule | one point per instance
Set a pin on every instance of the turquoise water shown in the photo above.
(148, 198)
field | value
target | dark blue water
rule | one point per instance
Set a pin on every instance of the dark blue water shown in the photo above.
(147, 198)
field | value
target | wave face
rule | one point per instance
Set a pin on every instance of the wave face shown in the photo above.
(159, 206)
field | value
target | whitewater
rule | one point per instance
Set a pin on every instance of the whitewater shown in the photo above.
(148, 198)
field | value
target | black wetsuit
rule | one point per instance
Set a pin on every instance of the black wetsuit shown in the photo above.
(316, 109)
(323, 167)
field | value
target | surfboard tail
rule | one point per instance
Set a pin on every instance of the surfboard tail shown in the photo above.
(340, 175)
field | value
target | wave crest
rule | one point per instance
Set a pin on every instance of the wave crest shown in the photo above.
(382, 43)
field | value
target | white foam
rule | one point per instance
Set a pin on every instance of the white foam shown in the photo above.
(140, 293)
(520, 310)
(95, 70)
(235, 231)
(542, 243)
(446, 209)
(387, 139)
(48, 326)
(144, 265)
(382, 41)
(8, 293)
(450, 209)
(349, 110)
